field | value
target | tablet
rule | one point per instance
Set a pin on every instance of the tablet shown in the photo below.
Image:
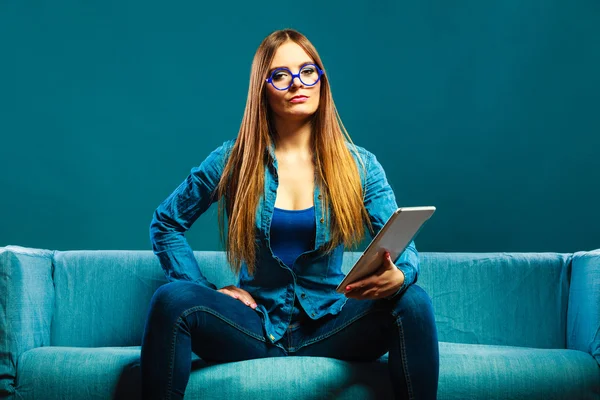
(402, 226)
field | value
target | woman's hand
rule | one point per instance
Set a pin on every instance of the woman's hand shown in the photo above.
(382, 283)
(239, 294)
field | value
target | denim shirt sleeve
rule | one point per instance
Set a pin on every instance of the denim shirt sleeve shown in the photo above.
(380, 203)
(176, 214)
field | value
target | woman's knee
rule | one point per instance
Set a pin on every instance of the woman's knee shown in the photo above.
(172, 299)
(414, 301)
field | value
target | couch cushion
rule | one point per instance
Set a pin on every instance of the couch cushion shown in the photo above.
(512, 299)
(506, 372)
(466, 371)
(72, 373)
(104, 373)
(26, 301)
(517, 299)
(102, 296)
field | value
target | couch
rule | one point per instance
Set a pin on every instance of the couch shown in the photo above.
(510, 326)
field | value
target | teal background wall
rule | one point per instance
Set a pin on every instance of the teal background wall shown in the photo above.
(488, 110)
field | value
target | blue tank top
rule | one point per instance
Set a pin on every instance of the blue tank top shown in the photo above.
(293, 233)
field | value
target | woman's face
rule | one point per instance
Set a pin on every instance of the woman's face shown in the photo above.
(282, 102)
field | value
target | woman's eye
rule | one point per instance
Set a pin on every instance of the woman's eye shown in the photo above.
(279, 76)
(308, 71)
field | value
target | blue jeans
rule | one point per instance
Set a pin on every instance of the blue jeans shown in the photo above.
(185, 317)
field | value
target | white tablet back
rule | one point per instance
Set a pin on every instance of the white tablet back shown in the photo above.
(402, 226)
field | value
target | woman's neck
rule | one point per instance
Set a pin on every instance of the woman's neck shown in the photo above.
(293, 137)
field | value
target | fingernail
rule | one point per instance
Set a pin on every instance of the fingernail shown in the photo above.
(253, 305)
(387, 254)
(348, 288)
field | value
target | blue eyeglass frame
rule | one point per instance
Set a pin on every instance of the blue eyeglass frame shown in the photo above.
(270, 79)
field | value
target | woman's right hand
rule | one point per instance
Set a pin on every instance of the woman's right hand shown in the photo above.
(239, 294)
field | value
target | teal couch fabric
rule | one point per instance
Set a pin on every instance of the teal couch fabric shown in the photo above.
(510, 325)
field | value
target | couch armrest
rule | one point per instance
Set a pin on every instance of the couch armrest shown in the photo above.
(26, 303)
(583, 315)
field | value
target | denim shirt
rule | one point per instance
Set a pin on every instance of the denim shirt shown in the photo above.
(274, 285)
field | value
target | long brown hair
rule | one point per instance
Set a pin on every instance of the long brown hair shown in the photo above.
(242, 181)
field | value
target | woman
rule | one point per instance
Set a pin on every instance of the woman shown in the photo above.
(296, 193)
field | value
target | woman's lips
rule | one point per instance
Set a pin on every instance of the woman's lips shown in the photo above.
(299, 99)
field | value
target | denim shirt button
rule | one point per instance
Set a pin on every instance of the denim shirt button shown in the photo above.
(303, 295)
(319, 197)
(313, 314)
(322, 220)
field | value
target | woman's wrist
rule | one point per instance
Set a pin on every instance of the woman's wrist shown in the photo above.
(401, 286)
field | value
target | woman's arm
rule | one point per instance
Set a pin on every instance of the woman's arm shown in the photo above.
(380, 203)
(176, 214)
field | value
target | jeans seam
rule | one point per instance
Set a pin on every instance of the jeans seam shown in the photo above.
(177, 325)
(333, 332)
(282, 347)
(404, 360)
(172, 359)
(223, 318)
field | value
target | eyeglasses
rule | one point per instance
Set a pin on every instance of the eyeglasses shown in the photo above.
(282, 78)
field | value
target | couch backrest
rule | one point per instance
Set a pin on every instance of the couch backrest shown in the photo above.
(514, 299)
(102, 296)
(496, 298)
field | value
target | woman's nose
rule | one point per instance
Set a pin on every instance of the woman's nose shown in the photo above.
(296, 82)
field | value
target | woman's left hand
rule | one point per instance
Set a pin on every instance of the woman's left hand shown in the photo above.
(382, 283)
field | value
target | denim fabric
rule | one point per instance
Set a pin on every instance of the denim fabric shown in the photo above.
(472, 293)
(186, 317)
(510, 299)
(78, 373)
(476, 372)
(26, 301)
(274, 286)
(466, 372)
(96, 293)
(583, 320)
(488, 303)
